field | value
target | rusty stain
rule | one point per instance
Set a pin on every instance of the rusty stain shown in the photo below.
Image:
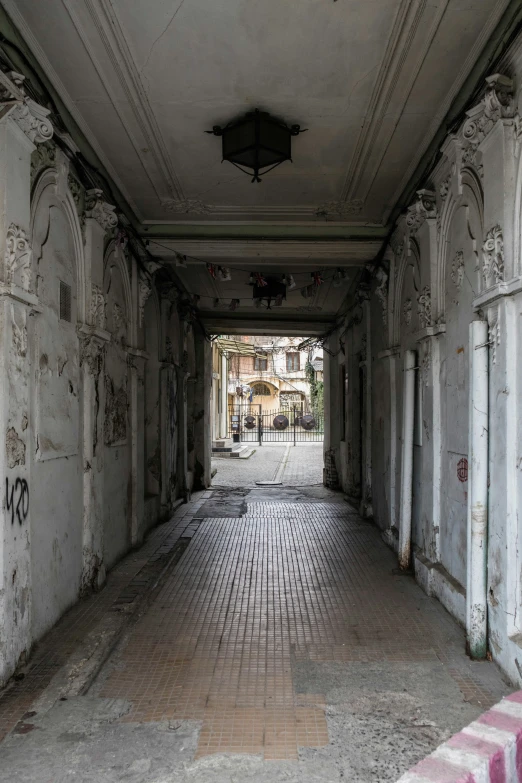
(460, 349)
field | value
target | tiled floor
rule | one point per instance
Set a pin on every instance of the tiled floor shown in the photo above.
(253, 597)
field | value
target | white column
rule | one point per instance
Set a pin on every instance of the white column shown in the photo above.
(476, 609)
(408, 413)
(224, 397)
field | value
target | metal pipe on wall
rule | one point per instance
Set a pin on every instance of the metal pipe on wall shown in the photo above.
(477, 526)
(406, 499)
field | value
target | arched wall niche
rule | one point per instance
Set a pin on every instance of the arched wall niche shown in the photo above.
(57, 530)
(473, 198)
(460, 283)
(408, 286)
(46, 192)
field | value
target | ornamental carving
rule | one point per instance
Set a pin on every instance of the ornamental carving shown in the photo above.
(426, 362)
(43, 157)
(32, 120)
(494, 334)
(424, 307)
(91, 354)
(497, 104)
(97, 307)
(19, 322)
(146, 275)
(457, 269)
(471, 157)
(98, 209)
(423, 208)
(493, 257)
(75, 188)
(30, 117)
(17, 258)
(381, 292)
(444, 187)
(407, 312)
(118, 317)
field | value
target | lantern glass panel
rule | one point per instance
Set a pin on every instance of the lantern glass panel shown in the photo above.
(275, 141)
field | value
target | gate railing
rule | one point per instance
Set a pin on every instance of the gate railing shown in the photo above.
(249, 423)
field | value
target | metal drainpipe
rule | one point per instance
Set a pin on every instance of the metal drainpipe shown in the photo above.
(477, 524)
(408, 413)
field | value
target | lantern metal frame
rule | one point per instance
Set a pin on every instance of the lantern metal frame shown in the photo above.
(256, 141)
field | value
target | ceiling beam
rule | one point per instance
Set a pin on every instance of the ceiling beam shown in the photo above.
(345, 252)
(271, 326)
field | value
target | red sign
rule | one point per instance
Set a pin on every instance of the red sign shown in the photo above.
(462, 469)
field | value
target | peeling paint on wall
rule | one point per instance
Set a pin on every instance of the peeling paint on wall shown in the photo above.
(115, 428)
(15, 448)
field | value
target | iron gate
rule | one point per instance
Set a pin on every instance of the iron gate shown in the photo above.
(248, 423)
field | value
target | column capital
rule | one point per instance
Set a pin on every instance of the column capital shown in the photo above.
(30, 117)
(99, 210)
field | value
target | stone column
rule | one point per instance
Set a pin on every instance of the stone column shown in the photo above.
(99, 218)
(23, 125)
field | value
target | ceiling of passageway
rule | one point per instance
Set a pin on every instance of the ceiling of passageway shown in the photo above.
(371, 79)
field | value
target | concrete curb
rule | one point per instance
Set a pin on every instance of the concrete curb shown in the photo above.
(489, 750)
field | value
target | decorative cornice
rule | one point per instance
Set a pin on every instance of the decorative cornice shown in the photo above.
(423, 207)
(99, 210)
(497, 104)
(30, 117)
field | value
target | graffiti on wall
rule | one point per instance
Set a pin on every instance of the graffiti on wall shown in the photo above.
(17, 500)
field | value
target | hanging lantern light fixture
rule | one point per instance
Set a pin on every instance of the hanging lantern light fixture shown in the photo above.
(257, 141)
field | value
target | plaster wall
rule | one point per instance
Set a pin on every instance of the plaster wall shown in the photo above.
(96, 346)
(454, 257)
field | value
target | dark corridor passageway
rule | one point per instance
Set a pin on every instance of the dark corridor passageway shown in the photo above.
(280, 631)
(260, 391)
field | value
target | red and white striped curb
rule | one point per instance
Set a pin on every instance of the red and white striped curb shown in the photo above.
(489, 750)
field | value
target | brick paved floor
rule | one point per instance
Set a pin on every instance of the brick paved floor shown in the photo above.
(252, 599)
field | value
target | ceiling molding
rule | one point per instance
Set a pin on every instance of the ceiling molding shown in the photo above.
(439, 116)
(43, 60)
(407, 22)
(113, 39)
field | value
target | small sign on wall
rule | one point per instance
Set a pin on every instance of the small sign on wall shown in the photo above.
(462, 469)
